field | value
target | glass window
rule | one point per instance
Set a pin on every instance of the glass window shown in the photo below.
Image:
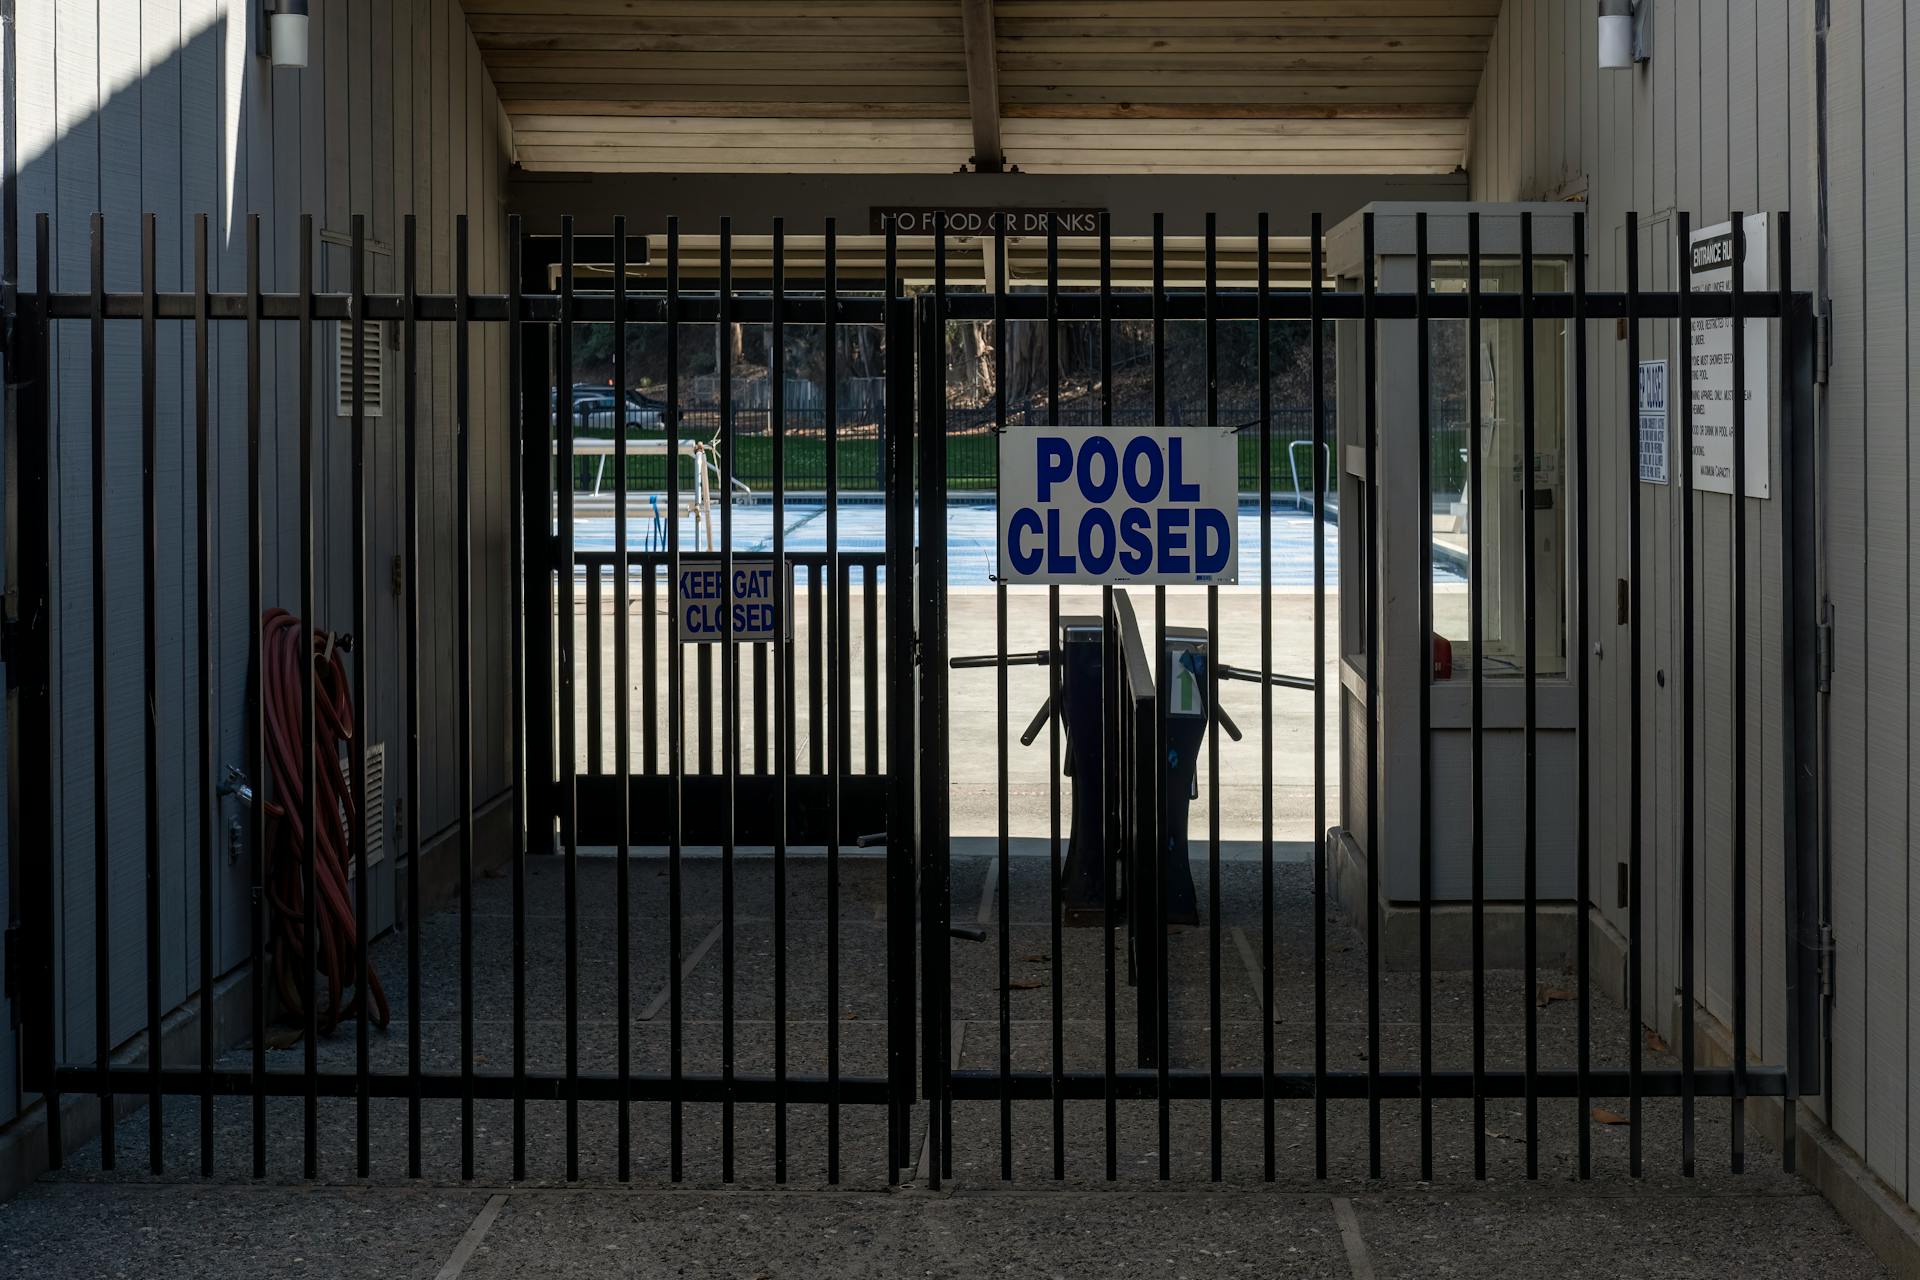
(1495, 376)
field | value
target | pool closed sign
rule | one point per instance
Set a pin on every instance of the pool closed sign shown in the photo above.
(1119, 504)
(703, 602)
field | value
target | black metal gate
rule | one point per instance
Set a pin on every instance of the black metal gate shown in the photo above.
(862, 690)
(1139, 824)
(775, 799)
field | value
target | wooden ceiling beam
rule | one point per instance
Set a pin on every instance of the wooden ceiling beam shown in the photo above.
(983, 85)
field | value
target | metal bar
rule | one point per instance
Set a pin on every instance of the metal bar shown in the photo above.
(1157, 920)
(102, 837)
(870, 665)
(1683, 240)
(310, 772)
(969, 1085)
(410, 346)
(623, 704)
(934, 543)
(760, 709)
(1738, 747)
(1321, 449)
(1583, 569)
(649, 664)
(1110, 727)
(843, 665)
(257, 756)
(207, 676)
(1790, 667)
(1004, 885)
(150, 671)
(1370, 604)
(1635, 1020)
(729, 698)
(676, 730)
(703, 707)
(1192, 1085)
(936, 903)
(1215, 1135)
(362, 709)
(934, 630)
(516, 390)
(1530, 846)
(569, 763)
(1181, 304)
(700, 1089)
(836, 697)
(816, 673)
(1476, 694)
(463, 676)
(1423, 654)
(537, 500)
(782, 695)
(596, 727)
(30, 769)
(1056, 984)
(1263, 339)
(901, 810)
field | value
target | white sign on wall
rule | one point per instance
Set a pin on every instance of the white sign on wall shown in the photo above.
(1119, 504)
(1710, 270)
(1653, 421)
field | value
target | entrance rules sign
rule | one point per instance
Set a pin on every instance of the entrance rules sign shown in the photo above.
(1710, 268)
(1119, 504)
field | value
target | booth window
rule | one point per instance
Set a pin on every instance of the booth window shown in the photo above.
(1494, 375)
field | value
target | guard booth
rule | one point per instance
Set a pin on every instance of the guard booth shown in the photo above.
(1485, 371)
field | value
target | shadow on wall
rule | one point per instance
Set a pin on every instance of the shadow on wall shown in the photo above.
(126, 120)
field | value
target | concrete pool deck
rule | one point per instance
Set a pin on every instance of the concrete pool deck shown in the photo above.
(972, 692)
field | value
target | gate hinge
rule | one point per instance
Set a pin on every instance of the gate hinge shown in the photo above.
(1822, 343)
(1826, 961)
(1823, 649)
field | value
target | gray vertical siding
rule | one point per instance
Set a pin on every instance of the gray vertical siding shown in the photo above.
(131, 106)
(1724, 117)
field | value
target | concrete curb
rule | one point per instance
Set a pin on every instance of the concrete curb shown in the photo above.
(1504, 922)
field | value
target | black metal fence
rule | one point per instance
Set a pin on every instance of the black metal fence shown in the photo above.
(906, 614)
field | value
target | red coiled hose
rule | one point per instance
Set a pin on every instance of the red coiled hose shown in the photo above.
(286, 645)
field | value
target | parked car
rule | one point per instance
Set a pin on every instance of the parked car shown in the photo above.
(593, 407)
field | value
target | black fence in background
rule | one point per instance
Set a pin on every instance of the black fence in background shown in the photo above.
(972, 460)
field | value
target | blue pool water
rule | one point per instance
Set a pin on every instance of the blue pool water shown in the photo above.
(970, 537)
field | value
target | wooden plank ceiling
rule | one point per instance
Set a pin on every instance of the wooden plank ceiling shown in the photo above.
(1057, 86)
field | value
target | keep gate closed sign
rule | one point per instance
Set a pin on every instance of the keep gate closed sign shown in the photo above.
(1119, 504)
(702, 600)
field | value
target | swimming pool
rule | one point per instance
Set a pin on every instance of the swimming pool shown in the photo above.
(970, 536)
